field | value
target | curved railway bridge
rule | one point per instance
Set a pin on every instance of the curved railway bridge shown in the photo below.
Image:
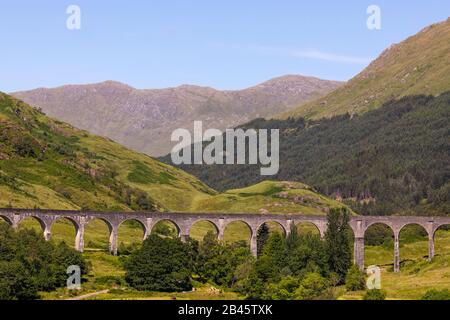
(184, 222)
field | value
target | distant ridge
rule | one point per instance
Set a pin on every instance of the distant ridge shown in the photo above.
(144, 119)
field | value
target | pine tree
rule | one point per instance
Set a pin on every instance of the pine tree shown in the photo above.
(262, 237)
(293, 239)
(337, 242)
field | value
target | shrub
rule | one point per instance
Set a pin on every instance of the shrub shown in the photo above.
(16, 283)
(162, 264)
(355, 279)
(311, 287)
(217, 262)
(375, 294)
(437, 295)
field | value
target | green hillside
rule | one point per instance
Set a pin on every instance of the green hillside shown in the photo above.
(268, 197)
(418, 65)
(48, 164)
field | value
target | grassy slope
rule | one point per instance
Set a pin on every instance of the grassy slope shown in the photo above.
(48, 164)
(418, 65)
(268, 197)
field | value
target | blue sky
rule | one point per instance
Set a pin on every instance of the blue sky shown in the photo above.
(229, 44)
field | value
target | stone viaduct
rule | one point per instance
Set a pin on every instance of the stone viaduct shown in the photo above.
(184, 222)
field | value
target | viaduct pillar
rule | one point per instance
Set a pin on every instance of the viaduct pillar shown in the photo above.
(79, 239)
(221, 229)
(254, 244)
(358, 249)
(113, 240)
(396, 252)
(359, 252)
(430, 246)
(47, 232)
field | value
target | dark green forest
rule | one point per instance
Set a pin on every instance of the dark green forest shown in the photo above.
(394, 160)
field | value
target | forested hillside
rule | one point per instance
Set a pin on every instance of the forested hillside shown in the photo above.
(395, 159)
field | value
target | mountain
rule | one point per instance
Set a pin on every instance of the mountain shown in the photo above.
(380, 143)
(48, 164)
(395, 159)
(418, 65)
(144, 120)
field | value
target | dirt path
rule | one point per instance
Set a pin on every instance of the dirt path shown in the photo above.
(93, 294)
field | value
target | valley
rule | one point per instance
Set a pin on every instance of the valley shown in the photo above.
(362, 179)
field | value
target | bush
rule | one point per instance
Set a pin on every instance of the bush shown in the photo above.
(16, 283)
(162, 264)
(375, 294)
(355, 280)
(312, 287)
(29, 264)
(217, 262)
(437, 295)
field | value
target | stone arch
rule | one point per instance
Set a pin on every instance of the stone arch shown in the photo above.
(6, 219)
(372, 223)
(307, 227)
(94, 239)
(203, 224)
(235, 230)
(142, 224)
(273, 224)
(409, 224)
(41, 222)
(73, 222)
(168, 220)
(413, 234)
(440, 227)
(379, 235)
(123, 224)
(441, 240)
